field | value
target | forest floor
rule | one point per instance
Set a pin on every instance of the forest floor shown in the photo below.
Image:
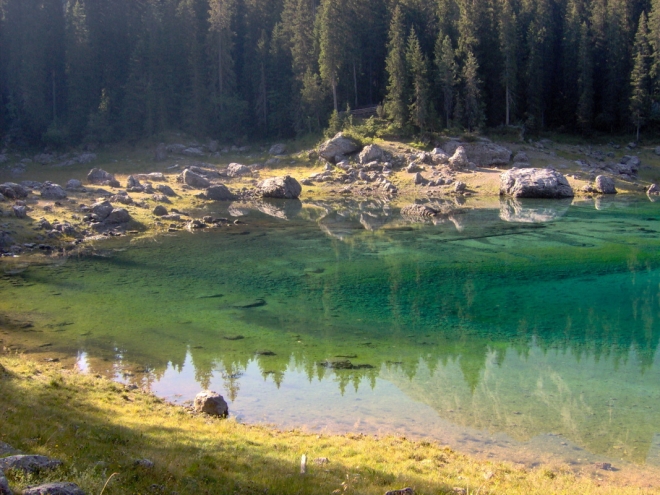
(101, 430)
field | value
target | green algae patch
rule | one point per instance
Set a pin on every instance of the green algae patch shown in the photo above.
(99, 428)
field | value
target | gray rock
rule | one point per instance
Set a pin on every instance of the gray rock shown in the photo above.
(371, 153)
(161, 198)
(277, 149)
(439, 157)
(44, 158)
(176, 148)
(653, 190)
(74, 185)
(101, 210)
(280, 188)
(219, 192)
(54, 489)
(2, 198)
(4, 485)
(418, 179)
(459, 160)
(144, 463)
(521, 157)
(338, 146)
(195, 180)
(12, 190)
(160, 211)
(132, 182)
(20, 211)
(604, 185)
(118, 215)
(86, 158)
(52, 191)
(124, 199)
(6, 449)
(534, 183)
(155, 176)
(403, 491)
(28, 463)
(197, 152)
(211, 403)
(160, 155)
(165, 189)
(460, 187)
(236, 170)
(101, 177)
(482, 153)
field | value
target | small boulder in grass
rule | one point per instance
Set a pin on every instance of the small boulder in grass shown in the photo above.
(55, 489)
(211, 403)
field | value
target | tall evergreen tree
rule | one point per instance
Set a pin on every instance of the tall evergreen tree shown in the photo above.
(585, 108)
(640, 78)
(420, 98)
(509, 47)
(397, 88)
(332, 43)
(447, 74)
(474, 116)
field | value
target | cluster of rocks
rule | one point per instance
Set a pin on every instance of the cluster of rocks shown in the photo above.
(196, 150)
(30, 465)
(627, 168)
(103, 216)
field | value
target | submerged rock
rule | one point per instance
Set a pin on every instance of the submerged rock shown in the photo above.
(211, 403)
(535, 183)
(416, 210)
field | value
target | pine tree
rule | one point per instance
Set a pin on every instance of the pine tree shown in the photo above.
(397, 88)
(585, 107)
(509, 47)
(332, 43)
(417, 66)
(474, 115)
(220, 14)
(640, 78)
(445, 62)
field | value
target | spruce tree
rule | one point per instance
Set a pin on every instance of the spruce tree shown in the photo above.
(397, 89)
(640, 78)
(417, 66)
(332, 43)
(585, 107)
(509, 47)
(447, 74)
(474, 115)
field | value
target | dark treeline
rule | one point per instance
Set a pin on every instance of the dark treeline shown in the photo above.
(102, 70)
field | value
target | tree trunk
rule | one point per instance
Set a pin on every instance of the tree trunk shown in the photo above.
(507, 103)
(355, 85)
(333, 83)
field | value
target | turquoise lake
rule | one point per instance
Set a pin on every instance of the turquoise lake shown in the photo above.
(525, 331)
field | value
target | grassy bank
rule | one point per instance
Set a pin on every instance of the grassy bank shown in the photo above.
(98, 427)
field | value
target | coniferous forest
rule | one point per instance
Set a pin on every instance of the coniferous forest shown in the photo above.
(75, 71)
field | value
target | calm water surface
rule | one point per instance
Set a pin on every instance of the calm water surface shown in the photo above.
(525, 331)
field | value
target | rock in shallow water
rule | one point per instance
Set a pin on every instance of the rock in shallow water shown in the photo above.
(211, 403)
(280, 188)
(534, 183)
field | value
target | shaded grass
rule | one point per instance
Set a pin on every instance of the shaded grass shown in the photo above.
(98, 427)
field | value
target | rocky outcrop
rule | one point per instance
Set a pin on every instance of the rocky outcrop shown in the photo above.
(371, 153)
(55, 489)
(117, 216)
(219, 192)
(165, 189)
(236, 170)
(333, 150)
(100, 177)
(481, 153)
(280, 188)
(211, 403)
(52, 191)
(604, 185)
(74, 185)
(277, 149)
(28, 463)
(195, 180)
(101, 210)
(534, 183)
